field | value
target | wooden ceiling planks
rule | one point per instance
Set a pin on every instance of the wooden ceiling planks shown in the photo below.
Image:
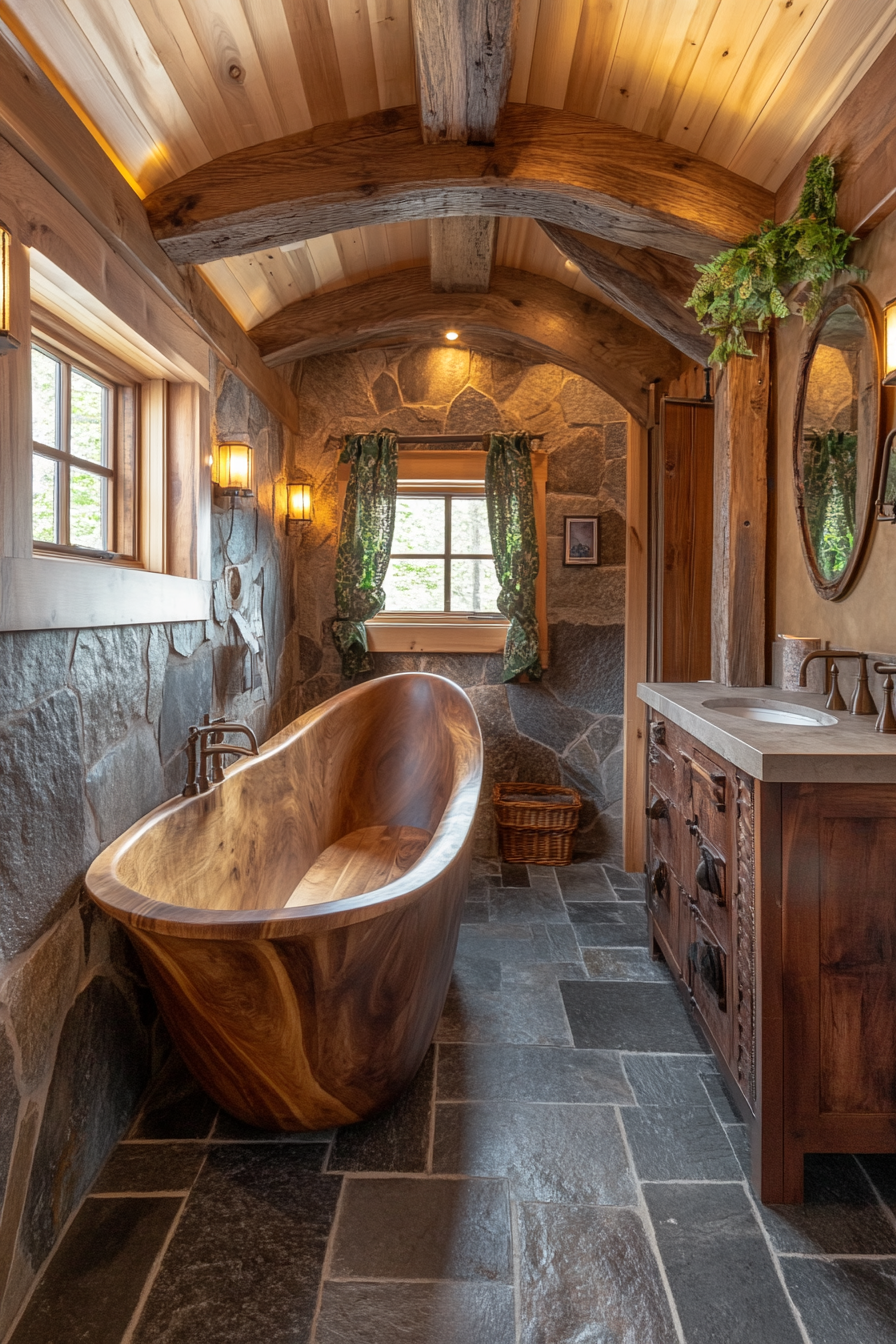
(393, 51)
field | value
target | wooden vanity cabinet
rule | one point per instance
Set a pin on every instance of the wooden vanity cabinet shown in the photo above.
(775, 907)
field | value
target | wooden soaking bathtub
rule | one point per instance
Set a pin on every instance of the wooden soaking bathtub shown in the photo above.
(298, 923)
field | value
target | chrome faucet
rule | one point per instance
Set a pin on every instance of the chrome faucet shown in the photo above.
(862, 700)
(205, 766)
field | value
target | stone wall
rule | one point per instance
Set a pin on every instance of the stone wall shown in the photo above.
(568, 727)
(92, 725)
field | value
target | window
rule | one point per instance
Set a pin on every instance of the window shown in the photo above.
(441, 556)
(83, 463)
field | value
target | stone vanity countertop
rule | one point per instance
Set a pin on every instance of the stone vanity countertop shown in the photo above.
(846, 752)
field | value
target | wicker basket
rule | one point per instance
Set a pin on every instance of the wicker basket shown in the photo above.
(536, 822)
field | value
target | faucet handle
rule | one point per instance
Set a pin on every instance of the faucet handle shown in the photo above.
(886, 719)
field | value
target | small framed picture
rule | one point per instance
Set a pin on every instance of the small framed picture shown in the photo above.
(580, 541)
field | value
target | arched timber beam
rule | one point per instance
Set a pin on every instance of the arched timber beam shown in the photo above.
(545, 164)
(521, 314)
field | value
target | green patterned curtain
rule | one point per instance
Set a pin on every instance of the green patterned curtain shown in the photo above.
(365, 541)
(511, 519)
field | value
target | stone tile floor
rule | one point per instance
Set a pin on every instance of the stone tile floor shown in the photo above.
(565, 1169)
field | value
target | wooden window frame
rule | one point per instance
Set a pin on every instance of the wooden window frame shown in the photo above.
(459, 472)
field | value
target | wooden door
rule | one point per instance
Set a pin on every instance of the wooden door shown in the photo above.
(683, 499)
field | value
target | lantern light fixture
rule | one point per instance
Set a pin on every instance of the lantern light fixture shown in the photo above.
(299, 505)
(234, 470)
(890, 344)
(7, 342)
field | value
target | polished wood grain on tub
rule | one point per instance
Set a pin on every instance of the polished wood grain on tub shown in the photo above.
(301, 1016)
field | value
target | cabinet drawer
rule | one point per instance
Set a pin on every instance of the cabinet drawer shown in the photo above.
(708, 884)
(663, 898)
(712, 797)
(707, 972)
(668, 830)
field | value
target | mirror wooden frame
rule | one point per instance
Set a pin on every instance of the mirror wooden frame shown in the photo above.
(869, 429)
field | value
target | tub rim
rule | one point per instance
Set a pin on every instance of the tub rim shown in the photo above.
(444, 850)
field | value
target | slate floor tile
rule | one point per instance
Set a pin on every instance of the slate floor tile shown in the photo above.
(589, 1274)
(93, 1283)
(543, 974)
(228, 1130)
(585, 882)
(844, 1301)
(519, 1014)
(245, 1262)
(624, 963)
(531, 1073)
(479, 888)
(607, 1015)
(522, 905)
(558, 941)
(880, 1168)
(602, 924)
(624, 882)
(840, 1215)
(673, 1080)
(396, 1140)
(150, 1168)
(718, 1266)
(739, 1138)
(679, 1143)
(570, 1154)
(175, 1106)
(475, 912)
(405, 1228)
(514, 875)
(475, 973)
(543, 876)
(419, 1313)
(720, 1099)
(500, 942)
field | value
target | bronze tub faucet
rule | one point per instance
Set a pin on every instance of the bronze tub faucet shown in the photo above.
(208, 738)
(862, 700)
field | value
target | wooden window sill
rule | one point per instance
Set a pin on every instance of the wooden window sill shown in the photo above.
(437, 633)
(68, 593)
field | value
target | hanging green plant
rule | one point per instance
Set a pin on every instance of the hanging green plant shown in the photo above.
(746, 285)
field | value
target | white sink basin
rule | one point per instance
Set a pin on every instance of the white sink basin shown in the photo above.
(771, 711)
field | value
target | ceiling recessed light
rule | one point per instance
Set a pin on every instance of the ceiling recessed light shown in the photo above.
(571, 265)
(451, 335)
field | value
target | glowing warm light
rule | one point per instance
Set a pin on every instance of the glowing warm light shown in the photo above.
(890, 344)
(234, 469)
(451, 335)
(7, 342)
(571, 265)
(299, 505)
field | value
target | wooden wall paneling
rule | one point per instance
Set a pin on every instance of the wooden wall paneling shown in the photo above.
(651, 289)
(354, 48)
(188, 476)
(270, 32)
(687, 540)
(596, 40)
(860, 135)
(661, 117)
(741, 510)
(552, 56)
(836, 56)
(393, 51)
(634, 784)
(15, 413)
(153, 471)
(521, 313)
(315, 49)
(645, 54)
(226, 42)
(525, 48)
(549, 164)
(126, 531)
(38, 123)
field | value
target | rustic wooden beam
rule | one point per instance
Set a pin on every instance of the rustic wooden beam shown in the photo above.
(740, 490)
(16, 529)
(552, 165)
(37, 122)
(652, 286)
(861, 135)
(523, 315)
(461, 252)
(465, 52)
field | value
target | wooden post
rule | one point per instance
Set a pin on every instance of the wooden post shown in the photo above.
(15, 414)
(636, 637)
(740, 489)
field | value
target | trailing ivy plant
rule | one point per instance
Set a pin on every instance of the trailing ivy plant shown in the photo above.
(746, 285)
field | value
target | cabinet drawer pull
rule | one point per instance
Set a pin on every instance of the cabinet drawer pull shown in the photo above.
(658, 809)
(709, 964)
(707, 875)
(659, 878)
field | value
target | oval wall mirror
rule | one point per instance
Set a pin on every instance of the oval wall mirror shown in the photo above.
(836, 448)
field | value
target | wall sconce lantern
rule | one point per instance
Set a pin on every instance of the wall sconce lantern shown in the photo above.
(299, 505)
(886, 485)
(234, 470)
(890, 344)
(7, 342)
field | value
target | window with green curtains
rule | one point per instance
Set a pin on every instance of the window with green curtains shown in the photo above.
(510, 498)
(365, 541)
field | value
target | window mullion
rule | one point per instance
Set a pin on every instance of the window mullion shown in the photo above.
(447, 598)
(65, 444)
